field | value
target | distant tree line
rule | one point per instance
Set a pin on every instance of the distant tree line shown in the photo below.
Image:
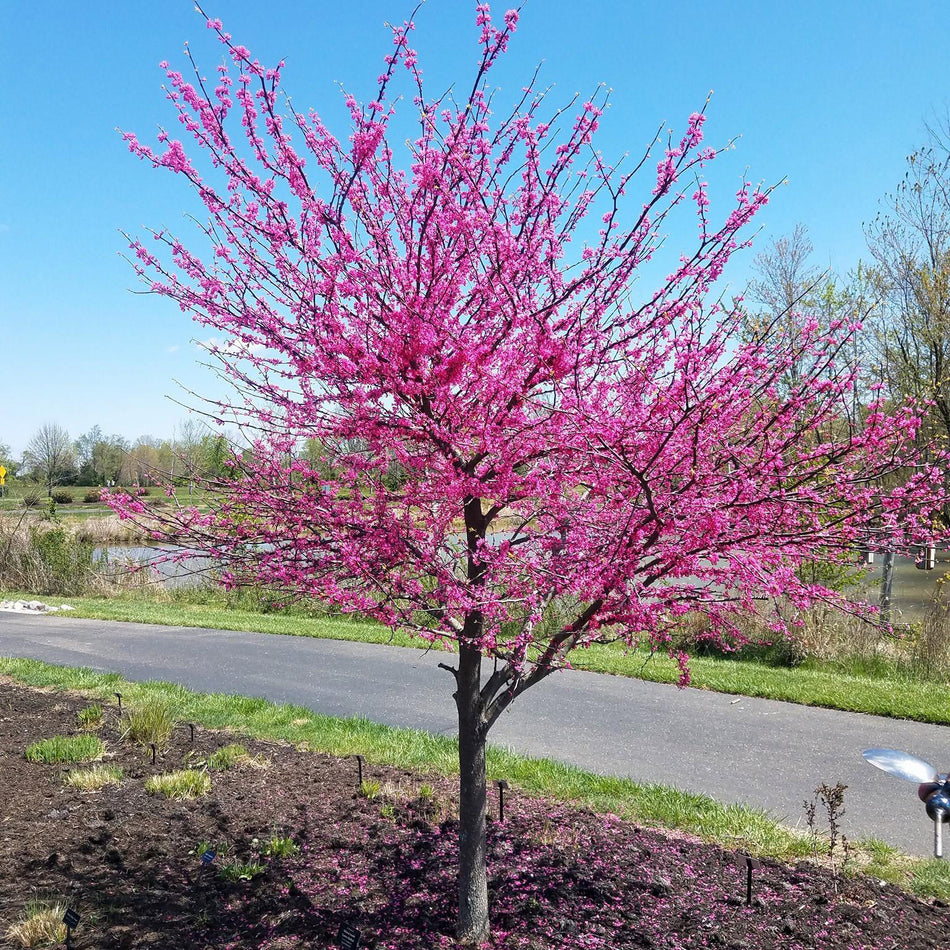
(53, 458)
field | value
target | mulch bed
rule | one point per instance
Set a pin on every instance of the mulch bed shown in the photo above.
(559, 876)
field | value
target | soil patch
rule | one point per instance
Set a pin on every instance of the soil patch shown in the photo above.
(382, 859)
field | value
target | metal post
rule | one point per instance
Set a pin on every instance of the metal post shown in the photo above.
(938, 833)
(887, 584)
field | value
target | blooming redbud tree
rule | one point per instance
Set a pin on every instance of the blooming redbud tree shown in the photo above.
(523, 450)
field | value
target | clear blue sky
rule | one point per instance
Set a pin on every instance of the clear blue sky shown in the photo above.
(831, 95)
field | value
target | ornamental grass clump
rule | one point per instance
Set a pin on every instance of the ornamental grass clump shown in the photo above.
(184, 784)
(40, 925)
(93, 778)
(83, 748)
(150, 721)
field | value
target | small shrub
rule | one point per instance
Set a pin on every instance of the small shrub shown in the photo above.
(62, 497)
(278, 847)
(238, 871)
(40, 925)
(94, 778)
(32, 499)
(90, 718)
(831, 798)
(369, 789)
(93, 496)
(224, 758)
(150, 721)
(44, 558)
(66, 749)
(187, 783)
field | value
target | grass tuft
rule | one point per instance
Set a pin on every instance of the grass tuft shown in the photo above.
(227, 756)
(84, 748)
(90, 718)
(186, 783)
(94, 778)
(40, 925)
(149, 721)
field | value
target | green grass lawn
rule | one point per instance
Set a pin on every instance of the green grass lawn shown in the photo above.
(732, 826)
(77, 506)
(885, 691)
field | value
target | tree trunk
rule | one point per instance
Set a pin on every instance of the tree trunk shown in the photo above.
(473, 878)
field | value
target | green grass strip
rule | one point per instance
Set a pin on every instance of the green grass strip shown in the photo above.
(889, 692)
(732, 826)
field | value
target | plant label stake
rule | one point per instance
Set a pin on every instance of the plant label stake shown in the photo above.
(502, 785)
(207, 857)
(348, 937)
(191, 726)
(118, 696)
(750, 863)
(154, 751)
(70, 919)
(359, 766)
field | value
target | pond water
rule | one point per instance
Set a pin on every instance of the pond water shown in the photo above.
(122, 558)
(911, 594)
(913, 589)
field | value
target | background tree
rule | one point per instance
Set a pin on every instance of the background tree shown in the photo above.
(100, 457)
(186, 443)
(786, 286)
(910, 246)
(7, 460)
(49, 456)
(573, 455)
(142, 464)
(108, 457)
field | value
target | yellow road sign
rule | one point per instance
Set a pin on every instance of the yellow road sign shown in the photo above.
(3, 472)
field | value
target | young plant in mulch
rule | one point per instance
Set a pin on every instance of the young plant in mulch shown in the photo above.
(278, 846)
(40, 925)
(90, 718)
(83, 748)
(94, 777)
(183, 784)
(227, 756)
(236, 871)
(369, 788)
(150, 722)
(217, 848)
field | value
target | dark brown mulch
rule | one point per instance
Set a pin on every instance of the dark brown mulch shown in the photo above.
(559, 877)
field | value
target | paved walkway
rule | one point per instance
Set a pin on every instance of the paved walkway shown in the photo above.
(756, 751)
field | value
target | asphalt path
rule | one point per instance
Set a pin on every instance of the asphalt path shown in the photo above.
(759, 752)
